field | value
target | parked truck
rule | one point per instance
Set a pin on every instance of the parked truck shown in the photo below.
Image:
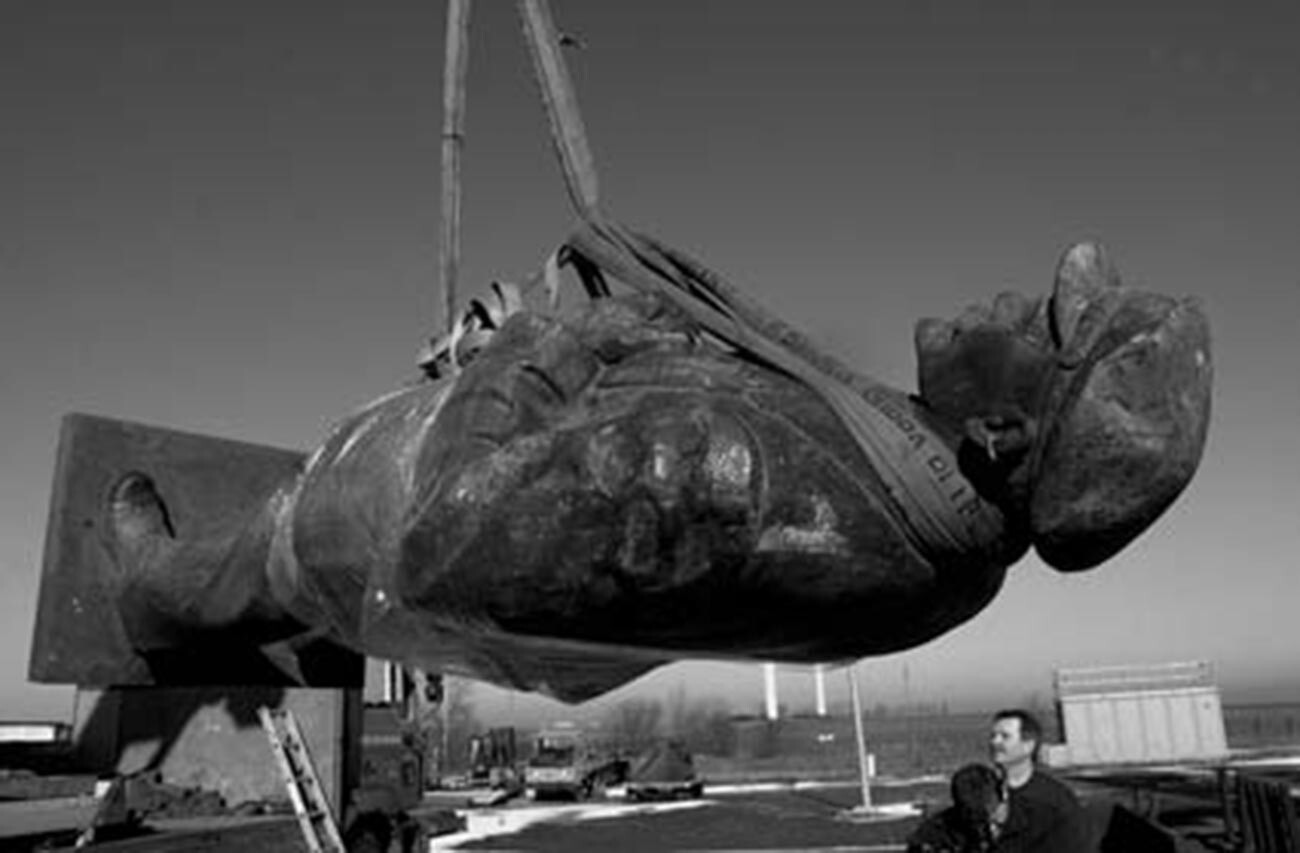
(566, 764)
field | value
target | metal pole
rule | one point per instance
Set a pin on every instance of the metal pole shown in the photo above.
(863, 775)
(453, 140)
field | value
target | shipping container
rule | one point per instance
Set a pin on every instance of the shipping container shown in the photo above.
(1140, 714)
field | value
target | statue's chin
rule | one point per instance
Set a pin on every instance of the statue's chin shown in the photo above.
(1128, 435)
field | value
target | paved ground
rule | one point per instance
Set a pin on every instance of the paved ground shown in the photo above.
(810, 818)
(771, 818)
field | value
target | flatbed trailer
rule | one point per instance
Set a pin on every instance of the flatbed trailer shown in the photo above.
(1246, 801)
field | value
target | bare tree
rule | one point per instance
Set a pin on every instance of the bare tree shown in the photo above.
(702, 725)
(633, 724)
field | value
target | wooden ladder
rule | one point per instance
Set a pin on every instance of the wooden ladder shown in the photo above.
(315, 818)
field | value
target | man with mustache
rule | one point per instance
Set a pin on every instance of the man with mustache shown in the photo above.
(1043, 815)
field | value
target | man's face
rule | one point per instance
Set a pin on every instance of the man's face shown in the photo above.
(1006, 746)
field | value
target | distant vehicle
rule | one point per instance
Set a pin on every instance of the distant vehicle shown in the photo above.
(665, 771)
(493, 759)
(566, 765)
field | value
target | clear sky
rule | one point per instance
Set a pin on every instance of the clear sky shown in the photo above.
(222, 217)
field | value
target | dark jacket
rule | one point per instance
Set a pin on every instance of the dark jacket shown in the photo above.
(1044, 817)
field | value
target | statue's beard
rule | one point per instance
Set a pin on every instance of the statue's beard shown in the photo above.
(1123, 433)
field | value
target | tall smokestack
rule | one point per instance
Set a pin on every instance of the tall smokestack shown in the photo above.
(819, 682)
(392, 692)
(769, 689)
